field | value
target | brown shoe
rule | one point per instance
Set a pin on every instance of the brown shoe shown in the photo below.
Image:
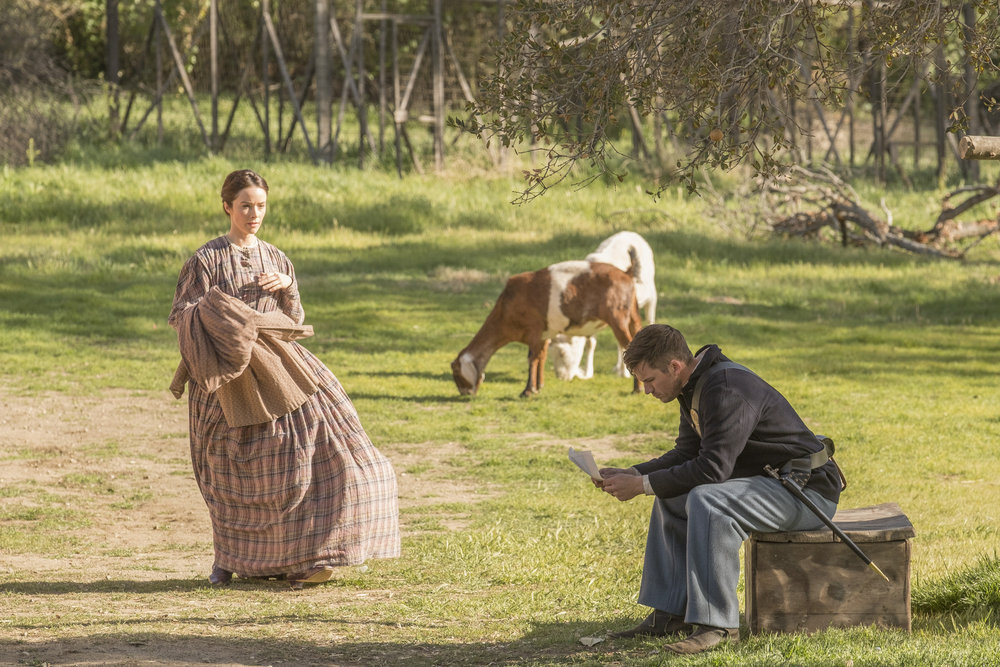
(220, 577)
(704, 638)
(316, 575)
(657, 624)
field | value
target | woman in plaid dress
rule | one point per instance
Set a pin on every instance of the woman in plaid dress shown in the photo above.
(304, 493)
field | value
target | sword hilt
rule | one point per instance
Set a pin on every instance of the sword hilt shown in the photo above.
(797, 492)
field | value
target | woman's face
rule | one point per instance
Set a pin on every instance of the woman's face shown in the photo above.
(246, 212)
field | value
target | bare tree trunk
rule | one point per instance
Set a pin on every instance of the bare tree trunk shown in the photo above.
(881, 137)
(159, 82)
(383, 100)
(265, 75)
(112, 66)
(357, 44)
(437, 56)
(917, 83)
(940, 106)
(971, 169)
(213, 47)
(324, 94)
(854, 81)
(805, 71)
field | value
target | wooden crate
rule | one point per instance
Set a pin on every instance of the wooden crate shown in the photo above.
(810, 580)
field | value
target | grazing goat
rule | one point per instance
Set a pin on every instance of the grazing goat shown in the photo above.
(576, 297)
(568, 354)
(573, 356)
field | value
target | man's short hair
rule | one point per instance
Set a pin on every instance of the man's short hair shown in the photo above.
(656, 345)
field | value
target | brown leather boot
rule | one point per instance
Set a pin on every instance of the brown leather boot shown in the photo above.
(657, 624)
(704, 638)
(316, 575)
(220, 577)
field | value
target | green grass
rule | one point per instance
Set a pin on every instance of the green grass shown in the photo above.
(891, 355)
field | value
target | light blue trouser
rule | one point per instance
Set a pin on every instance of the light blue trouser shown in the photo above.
(692, 564)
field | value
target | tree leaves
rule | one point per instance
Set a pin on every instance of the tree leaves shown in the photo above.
(570, 69)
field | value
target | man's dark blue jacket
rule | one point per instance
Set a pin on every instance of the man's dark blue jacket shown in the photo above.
(745, 424)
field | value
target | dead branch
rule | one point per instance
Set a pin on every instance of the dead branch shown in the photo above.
(980, 193)
(807, 202)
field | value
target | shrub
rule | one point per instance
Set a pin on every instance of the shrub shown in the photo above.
(40, 106)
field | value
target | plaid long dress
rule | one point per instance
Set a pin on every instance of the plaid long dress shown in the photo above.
(308, 489)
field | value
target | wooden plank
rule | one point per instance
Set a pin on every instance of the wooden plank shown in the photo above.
(280, 58)
(466, 88)
(878, 523)
(181, 72)
(417, 60)
(140, 67)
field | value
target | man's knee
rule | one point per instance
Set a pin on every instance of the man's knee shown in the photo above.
(705, 497)
(718, 501)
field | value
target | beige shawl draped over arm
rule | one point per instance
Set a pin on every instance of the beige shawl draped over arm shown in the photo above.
(245, 357)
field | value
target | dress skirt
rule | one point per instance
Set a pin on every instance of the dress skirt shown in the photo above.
(306, 490)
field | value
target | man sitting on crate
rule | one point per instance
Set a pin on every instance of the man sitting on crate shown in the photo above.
(711, 489)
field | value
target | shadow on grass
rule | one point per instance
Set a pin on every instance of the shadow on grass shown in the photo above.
(324, 641)
(432, 399)
(181, 649)
(384, 300)
(309, 638)
(136, 587)
(326, 645)
(448, 392)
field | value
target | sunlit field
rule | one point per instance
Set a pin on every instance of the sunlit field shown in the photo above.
(510, 556)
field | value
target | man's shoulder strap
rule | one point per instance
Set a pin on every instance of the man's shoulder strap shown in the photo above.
(721, 366)
(696, 397)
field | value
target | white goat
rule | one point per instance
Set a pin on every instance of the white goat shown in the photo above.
(573, 356)
(576, 298)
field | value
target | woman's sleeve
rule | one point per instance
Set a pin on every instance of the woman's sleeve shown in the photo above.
(288, 298)
(193, 284)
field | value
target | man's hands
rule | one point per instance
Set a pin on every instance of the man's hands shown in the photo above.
(622, 483)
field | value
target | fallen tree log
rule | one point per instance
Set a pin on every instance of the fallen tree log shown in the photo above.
(979, 148)
(807, 202)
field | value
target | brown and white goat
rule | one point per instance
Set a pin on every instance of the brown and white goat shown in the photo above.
(573, 356)
(576, 298)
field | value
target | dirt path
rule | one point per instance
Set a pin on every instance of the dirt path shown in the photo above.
(131, 448)
(115, 470)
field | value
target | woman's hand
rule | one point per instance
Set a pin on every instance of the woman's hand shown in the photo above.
(274, 282)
